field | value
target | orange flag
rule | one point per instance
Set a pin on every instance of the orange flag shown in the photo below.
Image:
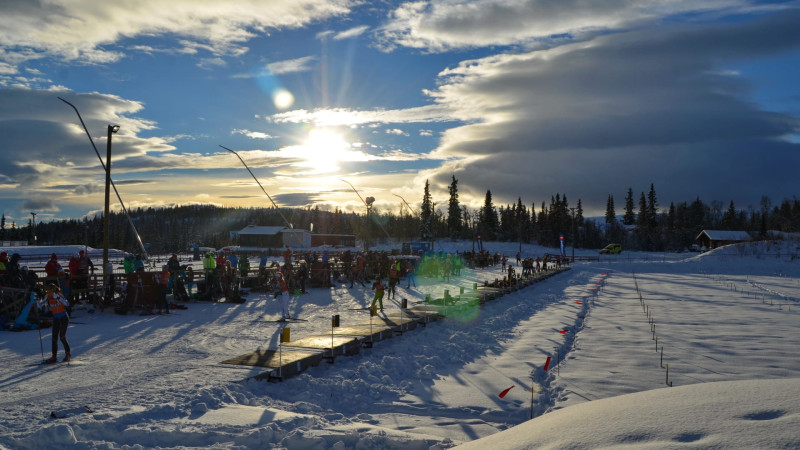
(503, 394)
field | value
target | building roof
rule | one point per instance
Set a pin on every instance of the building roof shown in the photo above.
(725, 235)
(259, 230)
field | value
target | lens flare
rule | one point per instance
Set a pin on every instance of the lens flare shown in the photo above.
(282, 98)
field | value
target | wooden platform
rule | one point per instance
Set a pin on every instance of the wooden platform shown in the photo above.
(331, 347)
(284, 363)
(397, 322)
(377, 332)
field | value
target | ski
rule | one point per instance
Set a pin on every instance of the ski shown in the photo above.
(62, 413)
(290, 319)
(72, 361)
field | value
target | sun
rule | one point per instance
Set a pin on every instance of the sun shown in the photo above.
(324, 150)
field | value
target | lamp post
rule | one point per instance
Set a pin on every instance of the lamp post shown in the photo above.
(574, 237)
(111, 130)
(368, 201)
(33, 226)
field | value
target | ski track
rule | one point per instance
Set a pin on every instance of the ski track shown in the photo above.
(416, 378)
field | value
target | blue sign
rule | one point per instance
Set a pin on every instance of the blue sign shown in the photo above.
(561, 238)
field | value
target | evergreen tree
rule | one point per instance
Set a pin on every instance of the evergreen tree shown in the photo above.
(629, 218)
(729, 219)
(426, 213)
(488, 219)
(454, 223)
(652, 207)
(643, 224)
(611, 215)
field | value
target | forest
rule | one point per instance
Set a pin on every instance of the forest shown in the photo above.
(640, 224)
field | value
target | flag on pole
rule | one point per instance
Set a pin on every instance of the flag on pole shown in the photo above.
(503, 394)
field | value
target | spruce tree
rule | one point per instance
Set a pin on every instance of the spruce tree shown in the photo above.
(652, 207)
(454, 211)
(611, 215)
(629, 218)
(426, 213)
(488, 218)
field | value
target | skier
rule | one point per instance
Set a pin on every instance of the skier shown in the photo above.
(394, 278)
(379, 288)
(58, 306)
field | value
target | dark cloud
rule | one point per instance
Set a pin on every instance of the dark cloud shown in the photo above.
(40, 204)
(297, 200)
(594, 118)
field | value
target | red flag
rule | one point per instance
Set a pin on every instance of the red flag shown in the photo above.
(503, 394)
(547, 364)
(564, 331)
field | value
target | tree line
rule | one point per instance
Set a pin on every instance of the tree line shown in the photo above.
(642, 224)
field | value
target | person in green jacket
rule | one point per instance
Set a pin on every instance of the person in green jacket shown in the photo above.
(209, 269)
(127, 264)
(244, 267)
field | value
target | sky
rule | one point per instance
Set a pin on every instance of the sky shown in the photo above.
(725, 323)
(524, 99)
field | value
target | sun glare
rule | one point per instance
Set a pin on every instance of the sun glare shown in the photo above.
(283, 99)
(324, 150)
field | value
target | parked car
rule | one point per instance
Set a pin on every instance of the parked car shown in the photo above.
(611, 249)
(698, 248)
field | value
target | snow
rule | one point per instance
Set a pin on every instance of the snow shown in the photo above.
(726, 320)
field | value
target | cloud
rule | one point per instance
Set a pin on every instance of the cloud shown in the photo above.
(440, 25)
(86, 31)
(252, 134)
(40, 204)
(351, 33)
(291, 66)
(396, 132)
(327, 117)
(621, 109)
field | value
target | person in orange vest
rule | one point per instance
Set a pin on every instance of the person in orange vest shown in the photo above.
(379, 288)
(58, 306)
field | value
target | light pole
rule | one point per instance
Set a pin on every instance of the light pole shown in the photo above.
(33, 226)
(121, 203)
(111, 130)
(371, 200)
(573, 234)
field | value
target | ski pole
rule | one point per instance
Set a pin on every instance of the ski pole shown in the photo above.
(39, 326)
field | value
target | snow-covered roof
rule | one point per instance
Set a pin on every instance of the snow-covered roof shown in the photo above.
(725, 235)
(253, 229)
